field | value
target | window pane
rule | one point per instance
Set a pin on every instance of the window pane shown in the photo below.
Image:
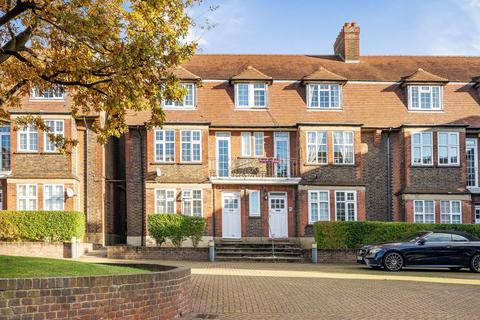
(242, 92)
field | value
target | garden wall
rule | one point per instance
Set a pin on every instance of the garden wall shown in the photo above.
(160, 253)
(334, 255)
(43, 249)
(157, 295)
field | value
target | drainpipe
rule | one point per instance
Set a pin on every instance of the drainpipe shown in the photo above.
(86, 172)
(389, 182)
(214, 222)
(142, 156)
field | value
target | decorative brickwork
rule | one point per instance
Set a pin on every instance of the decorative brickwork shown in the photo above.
(163, 294)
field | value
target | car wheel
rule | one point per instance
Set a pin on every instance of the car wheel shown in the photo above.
(475, 263)
(454, 269)
(393, 261)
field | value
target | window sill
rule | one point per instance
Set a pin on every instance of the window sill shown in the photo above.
(47, 99)
(250, 109)
(160, 162)
(190, 163)
(26, 152)
(324, 109)
(316, 164)
(448, 166)
(422, 166)
(426, 111)
(179, 108)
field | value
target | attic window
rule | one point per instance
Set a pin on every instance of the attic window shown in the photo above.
(55, 93)
(425, 98)
(324, 96)
(188, 100)
(251, 95)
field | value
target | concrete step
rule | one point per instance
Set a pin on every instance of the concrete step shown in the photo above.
(258, 253)
(98, 253)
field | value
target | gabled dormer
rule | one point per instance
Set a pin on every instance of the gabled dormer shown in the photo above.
(251, 89)
(324, 89)
(189, 81)
(425, 91)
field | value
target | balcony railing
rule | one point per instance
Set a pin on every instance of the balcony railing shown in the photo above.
(253, 168)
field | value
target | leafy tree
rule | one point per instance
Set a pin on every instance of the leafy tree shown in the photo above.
(111, 55)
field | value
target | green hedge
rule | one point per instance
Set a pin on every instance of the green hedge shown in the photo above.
(51, 226)
(352, 235)
(176, 227)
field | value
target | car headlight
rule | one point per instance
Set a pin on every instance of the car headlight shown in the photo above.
(374, 251)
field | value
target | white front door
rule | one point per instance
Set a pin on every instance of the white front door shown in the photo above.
(477, 214)
(278, 214)
(231, 219)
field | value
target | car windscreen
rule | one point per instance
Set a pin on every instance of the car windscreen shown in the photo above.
(413, 237)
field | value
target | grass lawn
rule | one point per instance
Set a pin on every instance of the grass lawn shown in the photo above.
(27, 267)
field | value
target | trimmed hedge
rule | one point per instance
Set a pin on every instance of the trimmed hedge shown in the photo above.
(176, 227)
(49, 226)
(354, 234)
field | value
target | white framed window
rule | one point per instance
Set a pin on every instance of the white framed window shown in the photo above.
(188, 100)
(55, 93)
(258, 144)
(27, 197)
(318, 206)
(165, 201)
(246, 144)
(28, 138)
(251, 95)
(191, 145)
(164, 145)
(448, 148)
(422, 148)
(317, 147)
(5, 145)
(425, 97)
(53, 197)
(254, 203)
(451, 212)
(471, 160)
(424, 211)
(57, 128)
(343, 147)
(192, 203)
(324, 96)
(346, 205)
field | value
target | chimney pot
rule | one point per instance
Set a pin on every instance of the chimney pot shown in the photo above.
(347, 44)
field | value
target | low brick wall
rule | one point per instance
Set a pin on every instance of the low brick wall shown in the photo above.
(334, 255)
(157, 295)
(160, 253)
(43, 249)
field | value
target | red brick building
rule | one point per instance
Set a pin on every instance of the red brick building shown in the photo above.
(262, 146)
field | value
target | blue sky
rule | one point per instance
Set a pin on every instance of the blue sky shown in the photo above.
(405, 27)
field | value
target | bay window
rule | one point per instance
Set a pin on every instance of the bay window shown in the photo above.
(164, 145)
(424, 211)
(422, 148)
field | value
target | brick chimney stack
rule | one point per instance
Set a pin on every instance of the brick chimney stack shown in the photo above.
(347, 45)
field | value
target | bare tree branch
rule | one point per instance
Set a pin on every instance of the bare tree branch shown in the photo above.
(19, 8)
(16, 44)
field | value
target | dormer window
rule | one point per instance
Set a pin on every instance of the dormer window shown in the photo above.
(324, 96)
(55, 93)
(188, 100)
(425, 98)
(251, 95)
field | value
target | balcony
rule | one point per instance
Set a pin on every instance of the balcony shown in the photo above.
(254, 171)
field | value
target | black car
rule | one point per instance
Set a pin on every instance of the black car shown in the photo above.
(432, 249)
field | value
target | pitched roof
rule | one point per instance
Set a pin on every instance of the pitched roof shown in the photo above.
(370, 68)
(183, 74)
(250, 73)
(322, 74)
(422, 76)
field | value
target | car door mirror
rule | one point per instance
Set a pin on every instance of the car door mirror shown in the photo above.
(421, 241)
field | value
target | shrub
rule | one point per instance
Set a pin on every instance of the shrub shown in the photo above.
(354, 234)
(51, 226)
(175, 227)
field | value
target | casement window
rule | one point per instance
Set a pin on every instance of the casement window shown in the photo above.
(28, 138)
(57, 128)
(318, 206)
(255, 143)
(192, 202)
(451, 212)
(424, 211)
(317, 147)
(5, 146)
(55, 93)
(164, 145)
(425, 98)
(188, 100)
(246, 144)
(324, 96)
(165, 201)
(345, 205)
(27, 197)
(448, 148)
(53, 197)
(191, 145)
(472, 162)
(254, 203)
(251, 95)
(422, 148)
(343, 147)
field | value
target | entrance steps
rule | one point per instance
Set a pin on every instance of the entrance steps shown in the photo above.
(98, 252)
(279, 251)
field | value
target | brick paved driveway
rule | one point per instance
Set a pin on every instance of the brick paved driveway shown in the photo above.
(250, 291)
